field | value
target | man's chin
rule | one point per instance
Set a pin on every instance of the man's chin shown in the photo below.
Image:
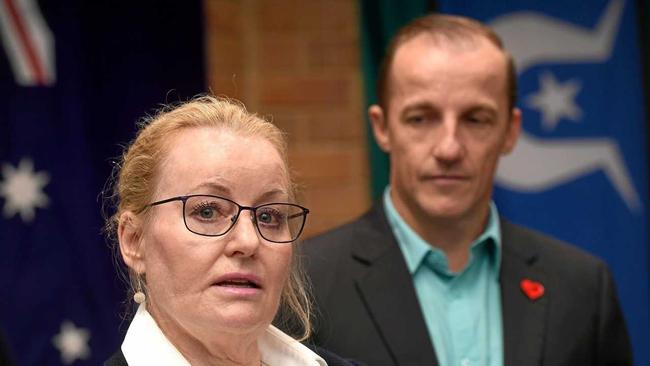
(445, 209)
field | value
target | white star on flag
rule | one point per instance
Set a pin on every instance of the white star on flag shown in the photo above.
(72, 342)
(555, 100)
(22, 189)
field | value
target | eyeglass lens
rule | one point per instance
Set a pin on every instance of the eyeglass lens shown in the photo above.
(207, 215)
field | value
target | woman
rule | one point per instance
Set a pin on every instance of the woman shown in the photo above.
(205, 222)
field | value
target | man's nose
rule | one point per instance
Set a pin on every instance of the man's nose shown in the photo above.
(243, 239)
(447, 145)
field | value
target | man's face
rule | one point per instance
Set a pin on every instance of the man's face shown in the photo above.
(447, 123)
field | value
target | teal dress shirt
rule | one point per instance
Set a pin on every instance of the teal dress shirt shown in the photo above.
(462, 310)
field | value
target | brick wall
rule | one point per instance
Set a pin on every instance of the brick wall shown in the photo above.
(299, 62)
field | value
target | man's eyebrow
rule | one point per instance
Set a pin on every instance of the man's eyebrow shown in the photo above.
(418, 105)
(482, 108)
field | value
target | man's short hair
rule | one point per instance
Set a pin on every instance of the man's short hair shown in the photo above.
(444, 28)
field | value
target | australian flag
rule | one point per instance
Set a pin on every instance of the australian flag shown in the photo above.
(74, 77)
(579, 171)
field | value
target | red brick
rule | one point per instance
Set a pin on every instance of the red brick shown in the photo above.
(227, 86)
(334, 54)
(282, 52)
(223, 15)
(332, 125)
(224, 52)
(338, 15)
(292, 124)
(279, 15)
(320, 166)
(305, 90)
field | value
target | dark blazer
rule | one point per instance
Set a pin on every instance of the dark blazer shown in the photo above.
(368, 310)
(332, 360)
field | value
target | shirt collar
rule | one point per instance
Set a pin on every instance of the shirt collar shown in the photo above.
(415, 249)
(145, 344)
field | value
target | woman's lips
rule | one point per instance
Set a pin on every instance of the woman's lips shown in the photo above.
(238, 283)
(241, 284)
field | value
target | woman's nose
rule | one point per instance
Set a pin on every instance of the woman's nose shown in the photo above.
(244, 240)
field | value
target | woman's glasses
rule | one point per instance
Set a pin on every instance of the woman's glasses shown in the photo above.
(214, 216)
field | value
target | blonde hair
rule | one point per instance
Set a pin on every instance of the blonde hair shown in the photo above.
(134, 179)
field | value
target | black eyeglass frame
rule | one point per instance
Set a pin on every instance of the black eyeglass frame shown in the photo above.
(240, 208)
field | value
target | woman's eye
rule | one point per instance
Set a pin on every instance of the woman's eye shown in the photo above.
(265, 217)
(270, 217)
(206, 213)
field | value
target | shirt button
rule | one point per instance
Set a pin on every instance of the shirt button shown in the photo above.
(464, 362)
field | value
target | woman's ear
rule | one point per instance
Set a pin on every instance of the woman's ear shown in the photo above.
(129, 235)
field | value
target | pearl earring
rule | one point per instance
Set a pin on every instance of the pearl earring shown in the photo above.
(139, 296)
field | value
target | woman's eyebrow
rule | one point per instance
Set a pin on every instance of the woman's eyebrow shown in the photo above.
(273, 194)
(211, 186)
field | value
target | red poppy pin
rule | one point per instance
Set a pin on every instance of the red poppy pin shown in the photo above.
(533, 289)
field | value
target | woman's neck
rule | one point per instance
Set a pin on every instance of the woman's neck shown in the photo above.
(215, 348)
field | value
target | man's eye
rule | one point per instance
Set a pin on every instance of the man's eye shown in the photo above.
(478, 120)
(415, 119)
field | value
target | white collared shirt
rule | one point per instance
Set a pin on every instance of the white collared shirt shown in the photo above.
(145, 344)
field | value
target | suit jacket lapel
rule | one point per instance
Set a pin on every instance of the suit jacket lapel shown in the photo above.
(387, 291)
(523, 319)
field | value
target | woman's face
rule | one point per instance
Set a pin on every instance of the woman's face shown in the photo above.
(229, 284)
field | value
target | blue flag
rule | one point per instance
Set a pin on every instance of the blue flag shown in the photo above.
(74, 78)
(579, 171)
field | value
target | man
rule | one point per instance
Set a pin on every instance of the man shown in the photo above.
(432, 274)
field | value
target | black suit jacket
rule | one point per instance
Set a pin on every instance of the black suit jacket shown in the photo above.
(367, 308)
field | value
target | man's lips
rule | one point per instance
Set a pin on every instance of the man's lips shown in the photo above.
(446, 181)
(447, 177)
